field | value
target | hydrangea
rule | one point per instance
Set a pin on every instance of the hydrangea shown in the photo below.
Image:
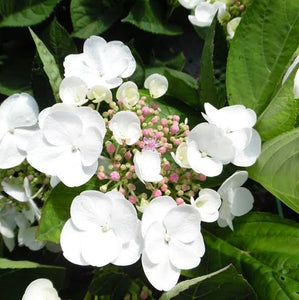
(128, 94)
(172, 241)
(236, 200)
(40, 289)
(190, 4)
(68, 144)
(157, 85)
(101, 63)
(18, 122)
(232, 26)
(103, 229)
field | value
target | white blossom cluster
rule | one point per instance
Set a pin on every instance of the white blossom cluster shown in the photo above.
(65, 141)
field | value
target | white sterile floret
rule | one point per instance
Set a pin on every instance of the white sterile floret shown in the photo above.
(236, 200)
(205, 12)
(237, 121)
(148, 166)
(18, 122)
(68, 144)
(172, 241)
(208, 149)
(103, 229)
(40, 289)
(180, 156)
(128, 93)
(232, 26)
(189, 4)
(99, 93)
(207, 203)
(101, 63)
(157, 85)
(73, 91)
(125, 126)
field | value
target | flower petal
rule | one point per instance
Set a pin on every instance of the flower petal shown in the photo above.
(15, 190)
(241, 200)
(234, 181)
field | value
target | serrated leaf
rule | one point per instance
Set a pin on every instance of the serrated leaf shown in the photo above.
(213, 63)
(277, 168)
(223, 284)
(15, 13)
(147, 15)
(56, 210)
(15, 276)
(50, 66)
(94, 17)
(264, 248)
(262, 47)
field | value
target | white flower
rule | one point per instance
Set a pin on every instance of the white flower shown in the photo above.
(68, 144)
(128, 93)
(207, 203)
(172, 241)
(125, 126)
(73, 91)
(99, 93)
(180, 156)
(232, 26)
(236, 200)
(208, 149)
(157, 85)
(189, 4)
(40, 289)
(237, 121)
(296, 85)
(103, 229)
(18, 122)
(205, 12)
(148, 166)
(101, 63)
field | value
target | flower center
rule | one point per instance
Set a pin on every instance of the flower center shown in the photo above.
(105, 228)
(167, 238)
(75, 149)
(11, 130)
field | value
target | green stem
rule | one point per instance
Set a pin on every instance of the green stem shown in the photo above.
(279, 207)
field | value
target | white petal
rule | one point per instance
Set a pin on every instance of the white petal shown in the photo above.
(234, 181)
(128, 93)
(296, 85)
(156, 211)
(163, 276)
(9, 243)
(181, 223)
(204, 14)
(180, 156)
(71, 240)
(23, 135)
(240, 138)
(99, 93)
(242, 201)
(26, 236)
(290, 69)
(14, 189)
(186, 256)
(232, 26)
(157, 85)
(189, 4)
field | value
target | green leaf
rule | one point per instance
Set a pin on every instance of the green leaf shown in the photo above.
(263, 46)
(15, 276)
(281, 114)
(14, 13)
(263, 247)
(50, 66)
(277, 168)
(213, 63)
(147, 15)
(177, 62)
(225, 283)
(180, 85)
(56, 210)
(94, 17)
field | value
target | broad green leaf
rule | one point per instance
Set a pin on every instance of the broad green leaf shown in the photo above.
(177, 62)
(263, 247)
(15, 276)
(263, 46)
(56, 210)
(15, 13)
(277, 169)
(213, 62)
(147, 15)
(180, 85)
(94, 17)
(225, 283)
(281, 114)
(50, 65)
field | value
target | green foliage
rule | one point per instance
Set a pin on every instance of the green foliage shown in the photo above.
(15, 276)
(94, 17)
(56, 210)
(223, 284)
(147, 15)
(263, 247)
(15, 13)
(277, 168)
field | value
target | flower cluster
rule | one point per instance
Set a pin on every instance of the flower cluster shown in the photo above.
(150, 167)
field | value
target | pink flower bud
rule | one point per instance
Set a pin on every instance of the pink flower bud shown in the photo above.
(141, 102)
(174, 177)
(146, 132)
(101, 175)
(174, 129)
(122, 190)
(176, 118)
(185, 187)
(158, 135)
(155, 106)
(132, 199)
(114, 176)
(166, 129)
(30, 177)
(177, 142)
(110, 149)
(164, 187)
(166, 166)
(110, 112)
(129, 175)
(128, 155)
(155, 120)
(145, 110)
(187, 132)
(162, 150)
(157, 193)
(143, 295)
(141, 118)
(164, 122)
(202, 177)
(179, 201)
(116, 164)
